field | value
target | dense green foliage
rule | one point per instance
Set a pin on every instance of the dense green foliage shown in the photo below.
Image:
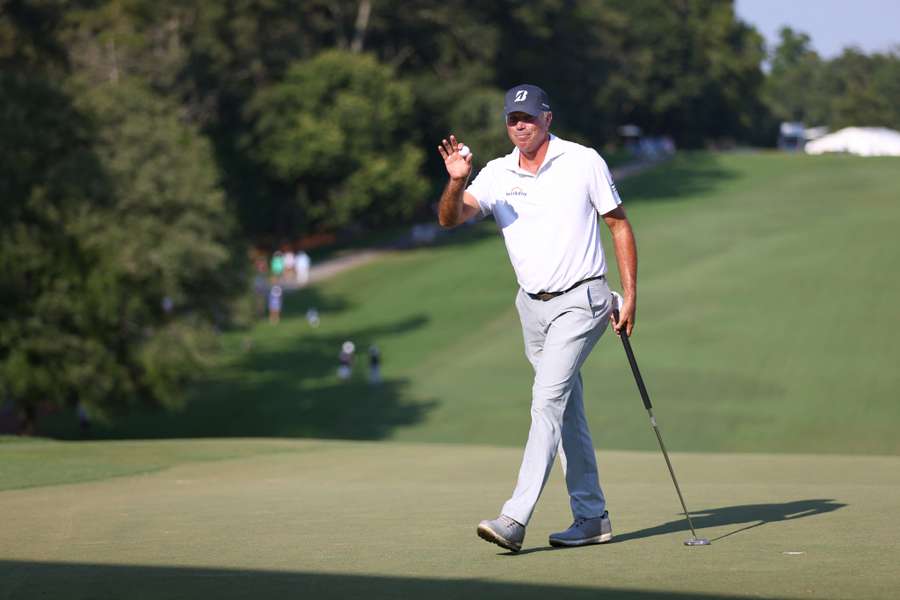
(691, 70)
(334, 130)
(116, 257)
(853, 89)
(238, 71)
(391, 75)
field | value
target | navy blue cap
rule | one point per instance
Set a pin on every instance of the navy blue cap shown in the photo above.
(526, 98)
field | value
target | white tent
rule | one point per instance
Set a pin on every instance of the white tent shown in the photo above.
(864, 141)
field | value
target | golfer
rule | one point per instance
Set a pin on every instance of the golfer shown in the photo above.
(546, 196)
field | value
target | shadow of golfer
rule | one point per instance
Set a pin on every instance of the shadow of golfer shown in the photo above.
(748, 515)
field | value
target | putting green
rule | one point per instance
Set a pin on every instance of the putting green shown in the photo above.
(310, 518)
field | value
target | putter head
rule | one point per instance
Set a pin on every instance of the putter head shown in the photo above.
(617, 300)
(695, 541)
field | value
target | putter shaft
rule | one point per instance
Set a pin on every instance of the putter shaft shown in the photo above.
(671, 472)
(626, 343)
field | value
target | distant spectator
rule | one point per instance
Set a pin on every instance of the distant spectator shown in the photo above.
(277, 265)
(260, 285)
(668, 145)
(312, 317)
(84, 419)
(260, 293)
(345, 360)
(424, 233)
(275, 304)
(29, 417)
(289, 265)
(374, 365)
(301, 268)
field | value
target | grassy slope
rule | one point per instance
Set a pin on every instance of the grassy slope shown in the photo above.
(767, 322)
(349, 519)
(755, 289)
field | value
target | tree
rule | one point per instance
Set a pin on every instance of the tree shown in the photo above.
(333, 132)
(163, 243)
(853, 89)
(695, 69)
(573, 49)
(47, 172)
(114, 250)
(862, 89)
(793, 89)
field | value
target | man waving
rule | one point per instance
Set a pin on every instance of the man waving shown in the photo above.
(545, 197)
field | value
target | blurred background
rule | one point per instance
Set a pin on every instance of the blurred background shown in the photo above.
(178, 177)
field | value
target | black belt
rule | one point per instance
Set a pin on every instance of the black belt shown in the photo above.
(544, 296)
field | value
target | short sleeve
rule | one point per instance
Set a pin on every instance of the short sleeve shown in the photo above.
(603, 192)
(480, 189)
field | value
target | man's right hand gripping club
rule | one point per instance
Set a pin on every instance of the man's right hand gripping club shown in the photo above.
(622, 316)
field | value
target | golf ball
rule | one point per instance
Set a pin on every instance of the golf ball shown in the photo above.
(464, 151)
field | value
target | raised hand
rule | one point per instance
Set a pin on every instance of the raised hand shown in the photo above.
(458, 167)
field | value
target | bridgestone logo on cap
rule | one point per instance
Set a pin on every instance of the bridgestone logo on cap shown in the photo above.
(521, 95)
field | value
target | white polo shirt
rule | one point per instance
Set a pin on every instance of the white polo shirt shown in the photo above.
(549, 219)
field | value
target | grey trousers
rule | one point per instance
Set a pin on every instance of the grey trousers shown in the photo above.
(559, 335)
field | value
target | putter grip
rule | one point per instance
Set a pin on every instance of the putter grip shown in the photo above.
(634, 367)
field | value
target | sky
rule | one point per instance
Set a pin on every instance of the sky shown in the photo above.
(872, 25)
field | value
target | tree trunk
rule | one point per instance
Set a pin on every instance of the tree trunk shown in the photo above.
(362, 23)
(29, 419)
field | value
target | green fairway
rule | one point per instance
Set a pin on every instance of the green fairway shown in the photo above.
(767, 322)
(328, 519)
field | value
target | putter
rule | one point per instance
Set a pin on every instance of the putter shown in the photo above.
(617, 302)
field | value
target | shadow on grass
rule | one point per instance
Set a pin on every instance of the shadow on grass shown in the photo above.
(24, 579)
(298, 301)
(688, 174)
(285, 387)
(748, 515)
(273, 407)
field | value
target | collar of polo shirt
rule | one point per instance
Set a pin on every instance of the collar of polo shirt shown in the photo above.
(555, 149)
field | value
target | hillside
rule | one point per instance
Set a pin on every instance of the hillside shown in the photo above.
(767, 321)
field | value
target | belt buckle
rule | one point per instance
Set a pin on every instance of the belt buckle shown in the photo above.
(545, 296)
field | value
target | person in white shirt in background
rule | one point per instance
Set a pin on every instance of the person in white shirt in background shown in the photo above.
(289, 264)
(301, 268)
